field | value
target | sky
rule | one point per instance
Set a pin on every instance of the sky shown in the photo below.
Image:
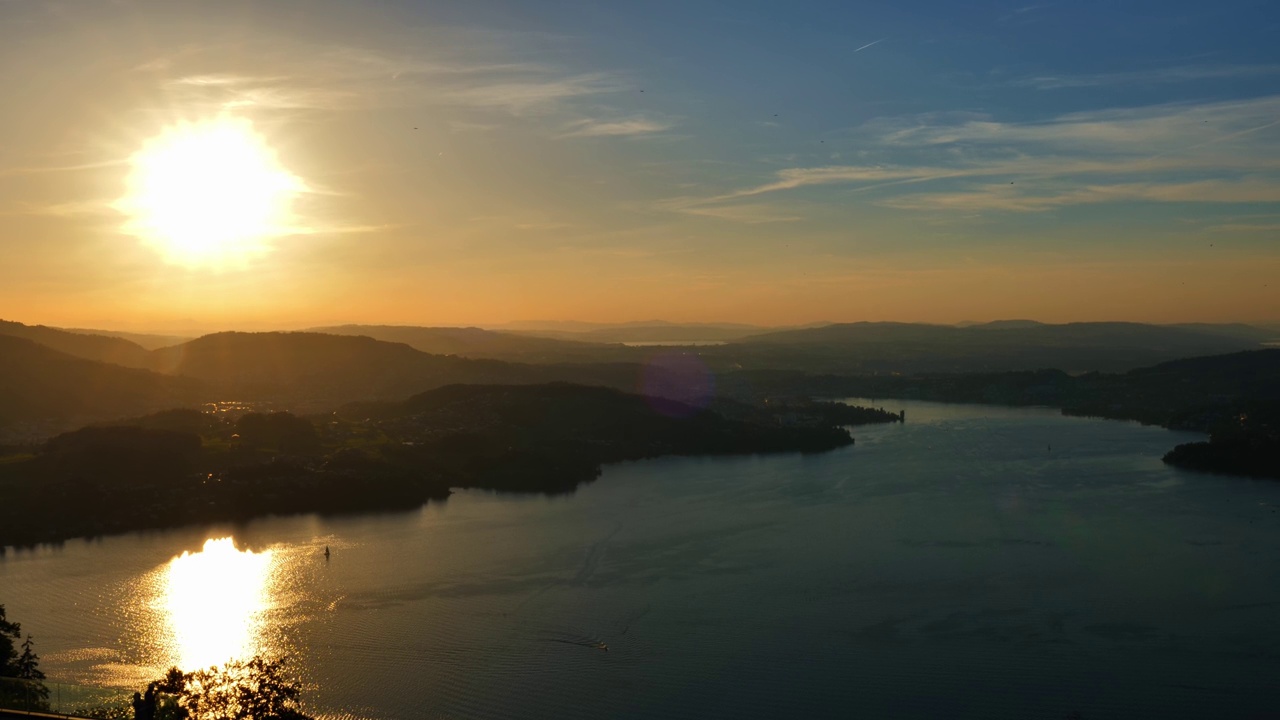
(479, 162)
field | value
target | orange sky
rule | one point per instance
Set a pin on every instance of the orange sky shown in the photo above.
(455, 172)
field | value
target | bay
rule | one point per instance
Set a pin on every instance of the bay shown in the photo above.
(973, 562)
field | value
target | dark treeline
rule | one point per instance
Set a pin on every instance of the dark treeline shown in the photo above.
(1235, 398)
(1249, 445)
(1192, 394)
(181, 466)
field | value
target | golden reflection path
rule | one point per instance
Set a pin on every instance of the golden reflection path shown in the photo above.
(214, 602)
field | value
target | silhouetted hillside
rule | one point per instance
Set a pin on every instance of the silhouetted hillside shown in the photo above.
(91, 347)
(1192, 393)
(648, 331)
(319, 371)
(1004, 325)
(177, 468)
(38, 383)
(545, 437)
(867, 348)
(146, 341)
(1234, 397)
(1236, 330)
(477, 343)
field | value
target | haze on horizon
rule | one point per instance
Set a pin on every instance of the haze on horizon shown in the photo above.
(445, 163)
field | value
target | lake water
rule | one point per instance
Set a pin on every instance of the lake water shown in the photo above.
(975, 562)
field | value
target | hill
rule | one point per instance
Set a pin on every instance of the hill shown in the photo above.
(869, 348)
(1233, 397)
(146, 341)
(38, 384)
(552, 436)
(650, 331)
(489, 344)
(177, 468)
(319, 369)
(316, 371)
(90, 347)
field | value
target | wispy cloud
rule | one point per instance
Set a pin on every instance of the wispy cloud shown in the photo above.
(1248, 227)
(519, 96)
(1209, 153)
(31, 169)
(62, 209)
(227, 80)
(1127, 131)
(1037, 197)
(749, 214)
(633, 127)
(1167, 75)
(294, 75)
(542, 225)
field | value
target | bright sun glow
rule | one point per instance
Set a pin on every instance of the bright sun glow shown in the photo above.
(209, 194)
(215, 600)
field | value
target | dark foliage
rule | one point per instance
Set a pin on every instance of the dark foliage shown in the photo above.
(20, 663)
(256, 689)
(1249, 445)
(1235, 398)
(9, 632)
(279, 431)
(390, 456)
(124, 452)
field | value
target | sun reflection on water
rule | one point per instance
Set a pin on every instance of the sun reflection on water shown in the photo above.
(214, 602)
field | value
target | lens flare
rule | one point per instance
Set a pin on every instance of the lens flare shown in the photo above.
(677, 383)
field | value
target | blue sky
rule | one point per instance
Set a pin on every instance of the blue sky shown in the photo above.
(481, 162)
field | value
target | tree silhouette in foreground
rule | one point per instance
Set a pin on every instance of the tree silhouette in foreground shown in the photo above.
(31, 693)
(256, 689)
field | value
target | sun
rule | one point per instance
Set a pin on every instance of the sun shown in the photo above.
(209, 194)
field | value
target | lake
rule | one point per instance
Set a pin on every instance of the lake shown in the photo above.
(974, 562)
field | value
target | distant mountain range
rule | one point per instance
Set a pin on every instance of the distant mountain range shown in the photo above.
(649, 331)
(868, 348)
(52, 373)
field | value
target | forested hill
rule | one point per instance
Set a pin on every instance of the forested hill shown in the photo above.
(1234, 397)
(1191, 393)
(321, 371)
(489, 344)
(90, 347)
(867, 348)
(184, 467)
(38, 383)
(313, 372)
(599, 423)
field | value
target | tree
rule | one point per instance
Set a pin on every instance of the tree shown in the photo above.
(28, 663)
(31, 694)
(9, 631)
(256, 689)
